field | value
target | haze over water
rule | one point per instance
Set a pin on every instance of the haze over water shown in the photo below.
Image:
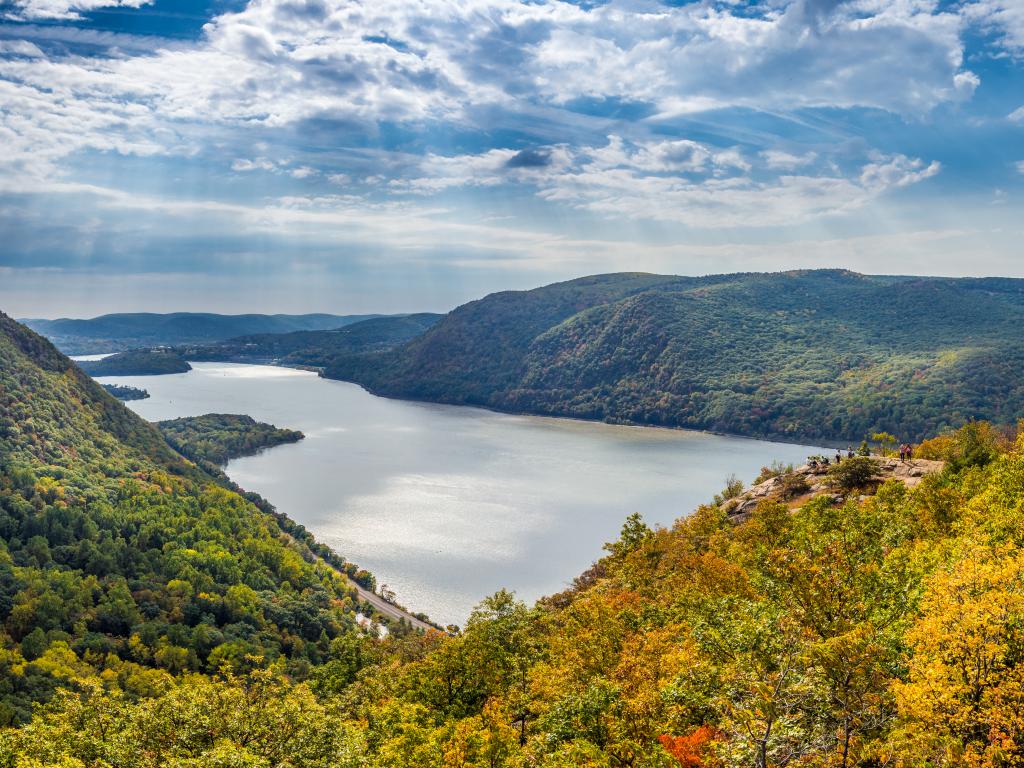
(447, 504)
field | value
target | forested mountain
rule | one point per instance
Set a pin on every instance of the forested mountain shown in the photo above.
(804, 355)
(317, 348)
(118, 332)
(167, 622)
(121, 562)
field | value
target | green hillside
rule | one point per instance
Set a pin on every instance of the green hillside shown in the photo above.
(804, 355)
(121, 561)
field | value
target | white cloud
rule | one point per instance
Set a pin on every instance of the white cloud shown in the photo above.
(1020, 166)
(462, 68)
(1017, 116)
(786, 161)
(67, 9)
(20, 48)
(259, 164)
(1003, 18)
(683, 182)
(359, 63)
(896, 171)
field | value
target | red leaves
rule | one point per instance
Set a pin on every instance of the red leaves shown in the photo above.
(693, 750)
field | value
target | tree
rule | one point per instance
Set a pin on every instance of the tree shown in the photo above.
(965, 694)
(634, 534)
(885, 442)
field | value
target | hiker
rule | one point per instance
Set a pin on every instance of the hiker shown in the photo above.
(910, 452)
(849, 451)
(839, 456)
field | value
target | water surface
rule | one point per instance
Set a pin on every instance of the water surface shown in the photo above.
(446, 504)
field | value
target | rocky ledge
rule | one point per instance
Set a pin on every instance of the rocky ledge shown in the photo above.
(807, 482)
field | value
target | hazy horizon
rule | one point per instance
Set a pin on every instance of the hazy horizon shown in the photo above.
(304, 309)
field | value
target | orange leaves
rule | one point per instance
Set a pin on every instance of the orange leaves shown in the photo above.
(693, 750)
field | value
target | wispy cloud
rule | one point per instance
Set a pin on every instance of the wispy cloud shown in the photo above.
(66, 9)
(505, 126)
(1002, 18)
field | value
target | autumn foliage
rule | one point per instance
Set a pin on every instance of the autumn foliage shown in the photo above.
(692, 750)
(151, 619)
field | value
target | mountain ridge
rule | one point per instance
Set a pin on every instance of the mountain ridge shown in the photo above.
(809, 354)
(118, 332)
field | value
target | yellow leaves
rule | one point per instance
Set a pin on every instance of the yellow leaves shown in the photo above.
(966, 681)
(49, 489)
(481, 741)
(61, 662)
(647, 661)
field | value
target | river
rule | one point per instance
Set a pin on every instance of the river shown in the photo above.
(447, 504)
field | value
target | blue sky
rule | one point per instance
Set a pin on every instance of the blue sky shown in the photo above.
(399, 155)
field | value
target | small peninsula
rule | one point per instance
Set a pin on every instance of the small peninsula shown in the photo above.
(137, 362)
(219, 437)
(123, 392)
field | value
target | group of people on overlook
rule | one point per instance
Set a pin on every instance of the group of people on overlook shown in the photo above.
(906, 454)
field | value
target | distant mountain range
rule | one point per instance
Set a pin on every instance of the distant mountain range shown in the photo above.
(316, 348)
(118, 332)
(828, 355)
(825, 355)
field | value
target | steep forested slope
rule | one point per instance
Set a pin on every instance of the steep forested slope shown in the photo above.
(820, 354)
(117, 332)
(120, 560)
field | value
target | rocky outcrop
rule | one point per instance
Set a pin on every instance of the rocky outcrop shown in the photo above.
(807, 482)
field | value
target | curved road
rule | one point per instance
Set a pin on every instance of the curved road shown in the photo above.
(387, 608)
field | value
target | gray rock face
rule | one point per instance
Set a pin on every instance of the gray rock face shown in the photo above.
(910, 473)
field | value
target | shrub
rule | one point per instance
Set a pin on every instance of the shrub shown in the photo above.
(858, 472)
(733, 488)
(975, 444)
(777, 469)
(793, 486)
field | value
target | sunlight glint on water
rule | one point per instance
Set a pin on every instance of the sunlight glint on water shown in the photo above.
(447, 504)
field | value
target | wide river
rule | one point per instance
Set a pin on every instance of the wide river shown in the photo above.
(447, 504)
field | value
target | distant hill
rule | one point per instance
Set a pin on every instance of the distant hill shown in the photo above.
(317, 348)
(137, 362)
(826, 354)
(117, 332)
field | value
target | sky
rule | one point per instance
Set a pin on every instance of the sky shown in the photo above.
(410, 155)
